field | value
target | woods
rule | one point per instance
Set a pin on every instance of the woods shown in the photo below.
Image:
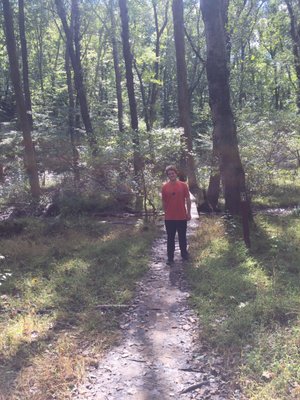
(97, 97)
(248, 78)
(22, 111)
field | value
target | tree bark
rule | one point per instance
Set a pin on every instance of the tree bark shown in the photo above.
(1, 172)
(213, 190)
(118, 76)
(73, 43)
(25, 62)
(214, 186)
(40, 62)
(138, 162)
(154, 86)
(166, 97)
(29, 152)
(295, 34)
(187, 163)
(54, 70)
(224, 131)
(143, 95)
(128, 58)
(71, 120)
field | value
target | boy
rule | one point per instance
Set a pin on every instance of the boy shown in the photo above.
(177, 207)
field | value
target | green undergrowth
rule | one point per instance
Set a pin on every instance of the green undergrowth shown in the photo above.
(249, 300)
(284, 191)
(61, 282)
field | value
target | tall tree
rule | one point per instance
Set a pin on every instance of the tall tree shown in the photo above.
(71, 119)
(214, 189)
(73, 42)
(29, 152)
(40, 36)
(294, 13)
(224, 131)
(187, 160)
(128, 58)
(158, 34)
(25, 61)
(117, 70)
(143, 93)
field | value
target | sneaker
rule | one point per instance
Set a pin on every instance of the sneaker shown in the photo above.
(170, 262)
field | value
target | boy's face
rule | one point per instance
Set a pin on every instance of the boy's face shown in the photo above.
(171, 174)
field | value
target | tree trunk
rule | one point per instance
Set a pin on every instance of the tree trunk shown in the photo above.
(224, 132)
(1, 172)
(128, 58)
(143, 96)
(138, 163)
(71, 120)
(25, 62)
(73, 43)
(145, 103)
(40, 51)
(154, 86)
(29, 153)
(214, 186)
(188, 164)
(54, 70)
(295, 34)
(213, 191)
(118, 77)
(242, 94)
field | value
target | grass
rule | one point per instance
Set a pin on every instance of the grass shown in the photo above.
(249, 301)
(282, 191)
(53, 277)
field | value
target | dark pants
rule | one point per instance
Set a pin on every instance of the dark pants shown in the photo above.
(172, 227)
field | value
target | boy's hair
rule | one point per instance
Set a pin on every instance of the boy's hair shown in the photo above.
(171, 168)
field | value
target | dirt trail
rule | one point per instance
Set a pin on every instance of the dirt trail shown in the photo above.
(159, 357)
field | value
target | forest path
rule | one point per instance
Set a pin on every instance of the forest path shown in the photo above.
(159, 356)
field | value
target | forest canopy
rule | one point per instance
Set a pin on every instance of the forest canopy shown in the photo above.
(101, 85)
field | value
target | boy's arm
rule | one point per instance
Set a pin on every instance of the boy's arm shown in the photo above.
(188, 203)
(188, 207)
(164, 204)
(163, 200)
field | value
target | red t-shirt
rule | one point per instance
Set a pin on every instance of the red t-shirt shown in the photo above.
(174, 195)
